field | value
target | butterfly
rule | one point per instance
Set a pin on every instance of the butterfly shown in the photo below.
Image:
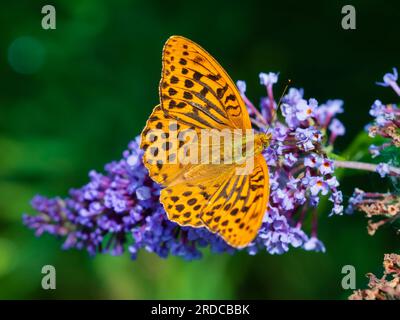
(196, 94)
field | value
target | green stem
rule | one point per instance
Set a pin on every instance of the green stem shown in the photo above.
(363, 166)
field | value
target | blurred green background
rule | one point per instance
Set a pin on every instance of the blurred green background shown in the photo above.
(72, 98)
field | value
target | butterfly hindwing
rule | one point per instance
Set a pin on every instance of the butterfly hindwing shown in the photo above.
(237, 209)
(184, 202)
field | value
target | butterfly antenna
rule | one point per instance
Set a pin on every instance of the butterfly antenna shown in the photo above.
(280, 99)
(284, 91)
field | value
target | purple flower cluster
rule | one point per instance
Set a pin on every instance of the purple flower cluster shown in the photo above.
(386, 123)
(120, 210)
(301, 173)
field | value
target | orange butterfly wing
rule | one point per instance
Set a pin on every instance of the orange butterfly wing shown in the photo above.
(237, 209)
(196, 93)
(197, 90)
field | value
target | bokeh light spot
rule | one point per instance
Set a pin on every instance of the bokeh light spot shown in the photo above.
(26, 55)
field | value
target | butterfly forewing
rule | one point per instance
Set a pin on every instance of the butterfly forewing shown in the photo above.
(195, 88)
(165, 156)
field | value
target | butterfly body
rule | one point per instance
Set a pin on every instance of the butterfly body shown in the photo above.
(207, 183)
(261, 142)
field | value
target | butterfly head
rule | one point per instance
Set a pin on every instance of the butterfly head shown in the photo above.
(263, 140)
(266, 139)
